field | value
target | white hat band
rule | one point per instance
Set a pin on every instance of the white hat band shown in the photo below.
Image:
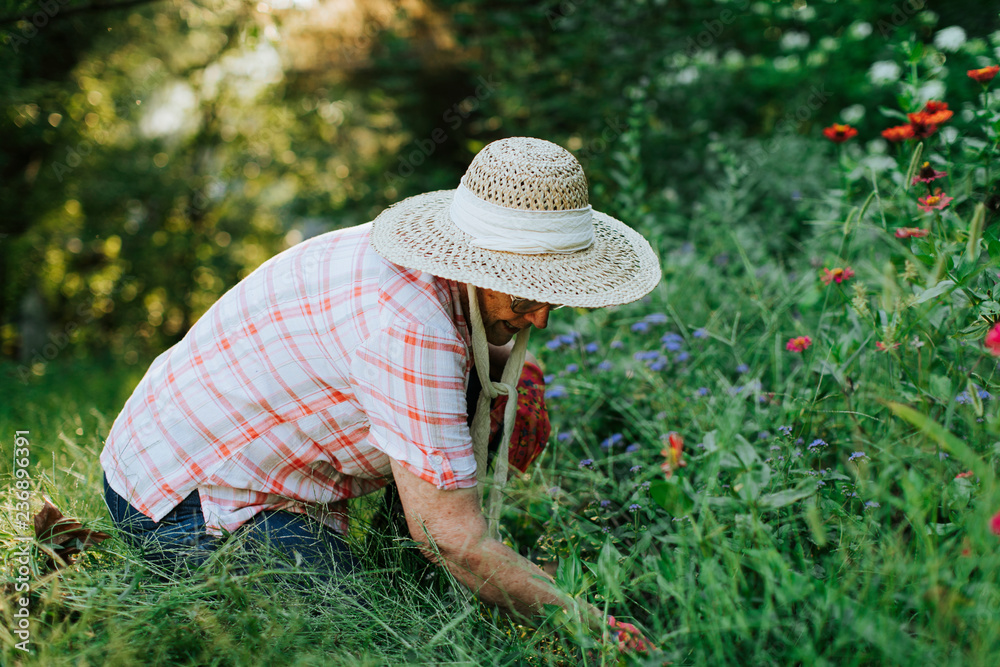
(522, 231)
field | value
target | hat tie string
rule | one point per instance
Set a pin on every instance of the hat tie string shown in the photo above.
(525, 232)
(481, 421)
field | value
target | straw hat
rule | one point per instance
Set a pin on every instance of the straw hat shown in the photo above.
(520, 223)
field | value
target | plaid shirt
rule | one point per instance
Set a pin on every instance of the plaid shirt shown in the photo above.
(296, 389)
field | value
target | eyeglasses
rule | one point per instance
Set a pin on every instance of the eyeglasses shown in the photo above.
(525, 306)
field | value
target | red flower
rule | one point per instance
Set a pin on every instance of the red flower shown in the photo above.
(837, 275)
(992, 340)
(967, 473)
(995, 524)
(927, 174)
(911, 232)
(885, 348)
(984, 74)
(935, 202)
(838, 133)
(898, 133)
(798, 344)
(672, 455)
(921, 125)
(937, 112)
(629, 637)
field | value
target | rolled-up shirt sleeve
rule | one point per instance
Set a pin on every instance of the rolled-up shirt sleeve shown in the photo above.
(410, 381)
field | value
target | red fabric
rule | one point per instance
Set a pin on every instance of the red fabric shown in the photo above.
(531, 427)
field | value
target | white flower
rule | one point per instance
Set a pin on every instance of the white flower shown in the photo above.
(794, 40)
(860, 30)
(932, 90)
(878, 163)
(829, 44)
(950, 39)
(786, 63)
(882, 72)
(688, 75)
(853, 114)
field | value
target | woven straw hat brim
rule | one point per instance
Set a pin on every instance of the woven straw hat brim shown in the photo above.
(620, 266)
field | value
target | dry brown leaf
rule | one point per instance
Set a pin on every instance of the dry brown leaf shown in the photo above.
(62, 537)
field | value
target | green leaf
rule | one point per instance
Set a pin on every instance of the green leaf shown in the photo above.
(936, 291)
(670, 496)
(893, 113)
(773, 501)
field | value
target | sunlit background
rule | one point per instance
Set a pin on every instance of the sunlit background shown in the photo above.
(155, 154)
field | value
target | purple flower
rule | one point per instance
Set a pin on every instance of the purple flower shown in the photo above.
(586, 463)
(568, 339)
(985, 395)
(682, 357)
(558, 391)
(856, 455)
(605, 366)
(605, 503)
(634, 507)
(734, 391)
(640, 327)
(816, 444)
(763, 435)
(742, 368)
(656, 318)
(572, 368)
(672, 341)
(658, 365)
(554, 344)
(963, 398)
(612, 440)
(635, 469)
(871, 503)
(702, 391)
(617, 345)
(700, 333)
(547, 379)
(564, 436)
(785, 430)
(647, 355)
(775, 448)
(634, 447)
(645, 485)
(590, 348)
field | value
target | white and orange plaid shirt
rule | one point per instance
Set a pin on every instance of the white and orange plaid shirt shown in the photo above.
(296, 389)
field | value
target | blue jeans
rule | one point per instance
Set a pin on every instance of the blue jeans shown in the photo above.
(179, 539)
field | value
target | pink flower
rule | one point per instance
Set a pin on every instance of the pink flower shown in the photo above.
(935, 202)
(927, 173)
(885, 348)
(837, 275)
(961, 475)
(992, 340)
(995, 524)
(911, 232)
(629, 637)
(798, 344)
